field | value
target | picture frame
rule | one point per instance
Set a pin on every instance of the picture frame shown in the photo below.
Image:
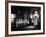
(19, 5)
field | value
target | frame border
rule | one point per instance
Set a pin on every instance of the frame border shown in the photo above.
(6, 17)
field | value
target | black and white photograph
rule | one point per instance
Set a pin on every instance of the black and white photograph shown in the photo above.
(25, 18)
